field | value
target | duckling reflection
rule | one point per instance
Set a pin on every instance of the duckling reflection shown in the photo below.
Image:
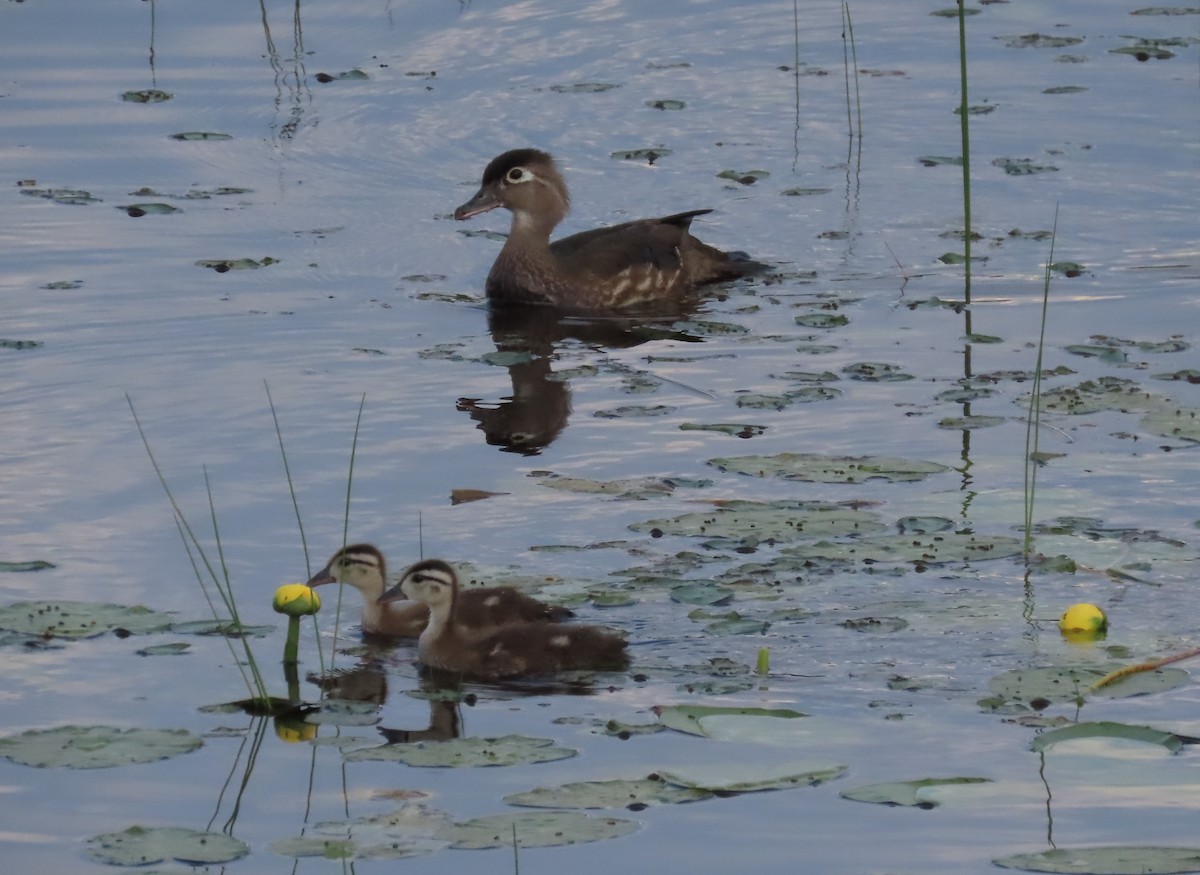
(445, 724)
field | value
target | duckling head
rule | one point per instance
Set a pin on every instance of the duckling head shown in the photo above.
(430, 581)
(361, 566)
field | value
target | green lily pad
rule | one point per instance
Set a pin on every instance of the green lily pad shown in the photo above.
(689, 718)
(224, 265)
(634, 794)
(406, 832)
(817, 468)
(913, 794)
(541, 829)
(936, 160)
(66, 619)
(632, 487)
(1108, 860)
(584, 87)
(147, 95)
(1092, 396)
(1070, 684)
(730, 777)
(647, 155)
(701, 593)
(96, 747)
(509, 750)
(822, 320)
(933, 549)
(958, 423)
(227, 628)
(141, 846)
(201, 136)
(1108, 729)
(876, 372)
(1174, 422)
(344, 712)
(68, 196)
(352, 75)
(737, 625)
(139, 210)
(31, 565)
(666, 104)
(1040, 41)
(734, 429)
(1022, 166)
(173, 649)
(763, 521)
(744, 177)
(633, 411)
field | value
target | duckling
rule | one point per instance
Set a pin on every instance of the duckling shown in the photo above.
(363, 567)
(511, 651)
(648, 261)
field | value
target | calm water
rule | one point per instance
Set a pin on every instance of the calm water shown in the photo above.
(348, 185)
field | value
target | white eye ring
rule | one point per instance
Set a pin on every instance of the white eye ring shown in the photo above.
(518, 174)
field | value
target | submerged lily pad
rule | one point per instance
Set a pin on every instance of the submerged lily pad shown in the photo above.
(1174, 422)
(907, 793)
(1070, 683)
(817, 468)
(633, 794)
(96, 747)
(508, 750)
(777, 521)
(1091, 396)
(66, 619)
(541, 829)
(1108, 860)
(141, 846)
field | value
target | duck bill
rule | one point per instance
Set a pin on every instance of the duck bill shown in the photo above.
(394, 594)
(321, 577)
(485, 199)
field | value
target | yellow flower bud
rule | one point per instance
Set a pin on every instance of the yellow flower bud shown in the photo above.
(296, 600)
(1083, 620)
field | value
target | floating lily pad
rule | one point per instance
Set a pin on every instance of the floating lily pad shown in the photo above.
(635, 794)
(31, 565)
(351, 75)
(584, 87)
(876, 372)
(744, 177)
(142, 846)
(1109, 354)
(535, 830)
(634, 411)
(508, 750)
(935, 160)
(227, 628)
(804, 192)
(139, 210)
(690, 718)
(933, 549)
(62, 285)
(914, 794)
(817, 468)
(68, 196)
(224, 265)
(67, 619)
(407, 832)
(1039, 40)
(1070, 683)
(734, 429)
(729, 777)
(1022, 166)
(1108, 729)
(173, 649)
(1174, 422)
(647, 155)
(1108, 860)
(632, 487)
(822, 320)
(96, 747)
(8, 343)
(701, 594)
(201, 136)
(147, 95)
(780, 520)
(1091, 396)
(974, 421)
(343, 712)
(666, 104)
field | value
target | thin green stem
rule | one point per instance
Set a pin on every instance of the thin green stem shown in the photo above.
(1033, 420)
(965, 126)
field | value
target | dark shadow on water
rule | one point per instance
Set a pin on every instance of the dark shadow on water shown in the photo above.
(537, 411)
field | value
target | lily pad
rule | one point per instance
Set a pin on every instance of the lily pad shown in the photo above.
(629, 411)
(876, 372)
(690, 718)
(67, 619)
(1108, 729)
(913, 794)
(822, 320)
(147, 95)
(224, 265)
(140, 846)
(817, 468)
(1109, 860)
(31, 565)
(632, 487)
(1092, 396)
(775, 521)
(1022, 166)
(647, 155)
(934, 549)
(1070, 684)
(139, 210)
(407, 832)
(584, 87)
(666, 104)
(96, 747)
(1174, 422)
(734, 429)
(173, 649)
(198, 136)
(730, 777)
(633, 794)
(535, 830)
(508, 750)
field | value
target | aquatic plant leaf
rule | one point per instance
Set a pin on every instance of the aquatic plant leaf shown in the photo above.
(406, 832)
(1108, 860)
(634, 794)
(666, 104)
(31, 565)
(935, 160)
(344, 712)
(173, 649)
(350, 75)
(958, 423)
(907, 793)
(767, 521)
(934, 549)
(805, 192)
(1091, 396)
(1108, 729)
(735, 429)
(822, 320)
(634, 410)
(139, 210)
(69, 619)
(96, 747)
(142, 846)
(647, 155)
(8, 343)
(689, 718)
(224, 265)
(701, 593)
(228, 628)
(147, 95)
(817, 468)
(584, 87)
(1022, 166)
(541, 829)
(196, 136)
(508, 750)
(1039, 40)
(1174, 422)
(876, 372)
(632, 487)
(730, 777)
(1109, 354)
(1071, 684)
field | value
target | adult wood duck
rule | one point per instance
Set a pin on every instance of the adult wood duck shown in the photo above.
(635, 263)
(484, 609)
(516, 650)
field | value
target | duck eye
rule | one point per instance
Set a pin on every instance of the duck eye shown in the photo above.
(517, 174)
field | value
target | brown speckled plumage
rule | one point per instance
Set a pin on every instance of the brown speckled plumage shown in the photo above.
(626, 265)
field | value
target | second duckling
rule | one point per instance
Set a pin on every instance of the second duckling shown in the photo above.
(484, 610)
(515, 650)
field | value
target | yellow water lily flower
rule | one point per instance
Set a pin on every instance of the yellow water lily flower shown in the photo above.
(1083, 619)
(296, 600)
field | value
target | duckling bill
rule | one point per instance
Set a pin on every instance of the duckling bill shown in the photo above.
(635, 263)
(363, 567)
(516, 650)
